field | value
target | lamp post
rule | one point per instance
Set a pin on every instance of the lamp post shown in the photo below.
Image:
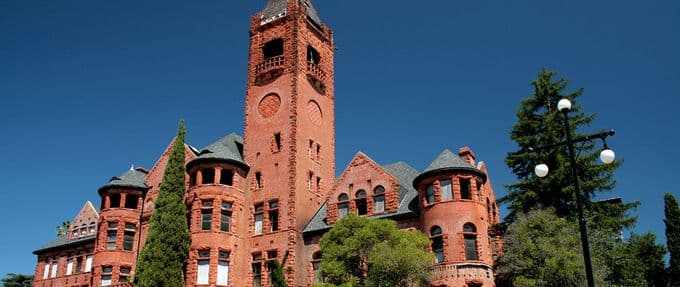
(607, 156)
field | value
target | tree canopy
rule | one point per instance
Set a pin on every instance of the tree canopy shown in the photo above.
(672, 213)
(162, 260)
(17, 280)
(359, 251)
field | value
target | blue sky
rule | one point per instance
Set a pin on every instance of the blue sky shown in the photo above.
(90, 87)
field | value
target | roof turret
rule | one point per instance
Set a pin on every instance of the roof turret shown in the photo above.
(228, 149)
(447, 161)
(134, 178)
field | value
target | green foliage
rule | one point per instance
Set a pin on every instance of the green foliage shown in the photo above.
(17, 280)
(638, 262)
(373, 252)
(542, 249)
(63, 228)
(162, 260)
(278, 280)
(672, 220)
(540, 123)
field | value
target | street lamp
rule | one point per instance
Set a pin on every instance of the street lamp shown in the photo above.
(607, 156)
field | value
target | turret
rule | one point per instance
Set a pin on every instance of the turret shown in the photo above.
(117, 242)
(215, 201)
(453, 214)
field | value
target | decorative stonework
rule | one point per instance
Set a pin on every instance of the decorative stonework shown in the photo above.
(269, 105)
(314, 112)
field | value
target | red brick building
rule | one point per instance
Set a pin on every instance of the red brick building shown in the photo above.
(273, 192)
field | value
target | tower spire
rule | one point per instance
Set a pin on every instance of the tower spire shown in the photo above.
(275, 9)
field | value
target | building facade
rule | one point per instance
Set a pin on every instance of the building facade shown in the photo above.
(273, 193)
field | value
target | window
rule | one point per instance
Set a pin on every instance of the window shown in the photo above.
(277, 142)
(131, 201)
(192, 179)
(379, 199)
(128, 240)
(106, 275)
(203, 274)
(226, 177)
(465, 188)
(479, 190)
(316, 266)
(46, 272)
(111, 235)
(274, 215)
(447, 193)
(313, 56)
(206, 214)
(257, 269)
(114, 200)
(124, 274)
(258, 180)
(470, 236)
(88, 263)
(430, 194)
(208, 176)
(79, 264)
(310, 149)
(362, 206)
(55, 264)
(318, 184)
(223, 268)
(69, 266)
(273, 48)
(271, 257)
(259, 217)
(225, 218)
(92, 228)
(437, 243)
(318, 152)
(343, 205)
(310, 181)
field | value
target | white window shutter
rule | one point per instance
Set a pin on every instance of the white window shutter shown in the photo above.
(203, 272)
(69, 267)
(54, 270)
(88, 263)
(46, 273)
(223, 273)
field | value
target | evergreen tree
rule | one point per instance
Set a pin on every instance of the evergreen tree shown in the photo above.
(17, 280)
(638, 262)
(540, 123)
(162, 260)
(278, 280)
(63, 228)
(672, 212)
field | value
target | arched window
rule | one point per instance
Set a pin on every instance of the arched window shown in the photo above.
(343, 205)
(316, 266)
(470, 236)
(362, 205)
(379, 199)
(429, 196)
(437, 243)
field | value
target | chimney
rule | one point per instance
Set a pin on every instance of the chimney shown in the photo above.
(466, 154)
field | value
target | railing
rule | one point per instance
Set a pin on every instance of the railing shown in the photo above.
(126, 284)
(462, 270)
(270, 64)
(315, 70)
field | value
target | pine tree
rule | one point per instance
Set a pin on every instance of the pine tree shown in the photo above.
(540, 123)
(672, 212)
(162, 260)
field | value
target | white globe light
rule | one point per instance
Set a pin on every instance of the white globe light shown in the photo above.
(607, 156)
(564, 104)
(541, 170)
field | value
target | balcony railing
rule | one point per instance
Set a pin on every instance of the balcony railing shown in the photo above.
(315, 71)
(270, 64)
(462, 270)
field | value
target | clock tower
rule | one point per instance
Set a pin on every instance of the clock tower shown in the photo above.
(289, 132)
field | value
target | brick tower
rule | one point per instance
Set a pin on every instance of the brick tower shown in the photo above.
(289, 132)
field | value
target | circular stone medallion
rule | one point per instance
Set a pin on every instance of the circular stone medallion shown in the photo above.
(314, 112)
(269, 105)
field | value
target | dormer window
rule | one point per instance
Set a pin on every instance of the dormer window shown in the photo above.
(273, 48)
(362, 205)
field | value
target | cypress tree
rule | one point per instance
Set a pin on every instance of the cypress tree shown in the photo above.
(162, 260)
(672, 220)
(539, 123)
(278, 279)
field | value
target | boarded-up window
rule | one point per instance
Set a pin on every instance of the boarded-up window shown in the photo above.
(46, 273)
(88, 263)
(223, 273)
(69, 266)
(447, 192)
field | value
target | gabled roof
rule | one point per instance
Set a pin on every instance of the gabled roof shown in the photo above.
(227, 149)
(447, 161)
(408, 204)
(277, 9)
(133, 178)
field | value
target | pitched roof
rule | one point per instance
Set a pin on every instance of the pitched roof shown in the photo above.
(63, 242)
(227, 149)
(275, 9)
(408, 205)
(447, 161)
(133, 178)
